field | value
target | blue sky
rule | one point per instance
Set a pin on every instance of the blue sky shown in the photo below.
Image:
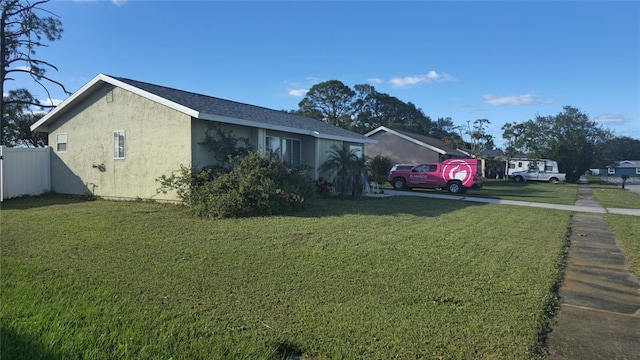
(502, 61)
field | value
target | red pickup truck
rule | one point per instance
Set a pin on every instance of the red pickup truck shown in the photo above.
(455, 175)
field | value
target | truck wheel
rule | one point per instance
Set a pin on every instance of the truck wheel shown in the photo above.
(454, 187)
(399, 184)
(554, 180)
(518, 178)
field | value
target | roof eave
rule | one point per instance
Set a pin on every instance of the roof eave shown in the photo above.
(257, 124)
(96, 82)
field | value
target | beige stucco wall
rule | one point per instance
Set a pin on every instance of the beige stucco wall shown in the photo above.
(201, 155)
(257, 137)
(157, 143)
(325, 147)
(399, 150)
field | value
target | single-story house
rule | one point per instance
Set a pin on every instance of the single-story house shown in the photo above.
(114, 137)
(630, 168)
(409, 148)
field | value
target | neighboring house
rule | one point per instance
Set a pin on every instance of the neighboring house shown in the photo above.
(494, 161)
(630, 168)
(114, 137)
(405, 147)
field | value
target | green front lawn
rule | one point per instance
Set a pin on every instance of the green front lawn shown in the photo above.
(627, 232)
(372, 279)
(534, 191)
(611, 195)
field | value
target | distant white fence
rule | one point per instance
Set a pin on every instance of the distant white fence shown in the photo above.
(24, 171)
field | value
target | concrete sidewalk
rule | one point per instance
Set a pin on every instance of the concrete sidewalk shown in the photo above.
(599, 316)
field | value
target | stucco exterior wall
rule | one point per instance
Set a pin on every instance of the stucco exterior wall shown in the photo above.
(399, 150)
(157, 142)
(201, 155)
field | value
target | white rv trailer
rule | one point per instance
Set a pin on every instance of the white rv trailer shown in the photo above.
(521, 164)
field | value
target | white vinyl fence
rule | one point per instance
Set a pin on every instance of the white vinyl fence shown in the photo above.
(24, 171)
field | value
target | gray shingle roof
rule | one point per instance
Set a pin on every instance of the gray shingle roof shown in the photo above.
(215, 106)
(440, 144)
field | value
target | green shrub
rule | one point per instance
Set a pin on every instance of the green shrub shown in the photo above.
(378, 168)
(346, 168)
(323, 187)
(256, 185)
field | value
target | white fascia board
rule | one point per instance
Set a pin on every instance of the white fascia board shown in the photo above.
(408, 138)
(106, 79)
(376, 130)
(261, 125)
(464, 152)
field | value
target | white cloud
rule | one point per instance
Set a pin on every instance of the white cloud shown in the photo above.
(298, 92)
(50, 102)
(300, 88)
(375, 81)
(526, 99)
(114, 2)
(430, 77)
(611, 119)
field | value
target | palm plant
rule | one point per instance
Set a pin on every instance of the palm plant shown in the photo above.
(346, 167)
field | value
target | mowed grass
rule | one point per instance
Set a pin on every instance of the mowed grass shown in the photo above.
(627, 232)
(612, 196)
(625, 228)
(533, 191)
(402, 278)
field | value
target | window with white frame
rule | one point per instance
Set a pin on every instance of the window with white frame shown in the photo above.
(638, 171)
(286, 149)
(118, 144)
(61, 142)
(611, 171)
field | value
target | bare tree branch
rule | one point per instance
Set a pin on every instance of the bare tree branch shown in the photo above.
(21, 33)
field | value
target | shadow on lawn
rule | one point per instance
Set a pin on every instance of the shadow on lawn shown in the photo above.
(394, 205)
(496, 189)
(288, 350)
(14, 346)
(30, 202)
(506, 189)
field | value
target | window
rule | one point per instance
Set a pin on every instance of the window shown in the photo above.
(611, 171)
(426, 168)
(61, 142)
(273, 146)
(356, 150)
(118, 144)
(637, 171)
(286, 149)
(291, 151)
